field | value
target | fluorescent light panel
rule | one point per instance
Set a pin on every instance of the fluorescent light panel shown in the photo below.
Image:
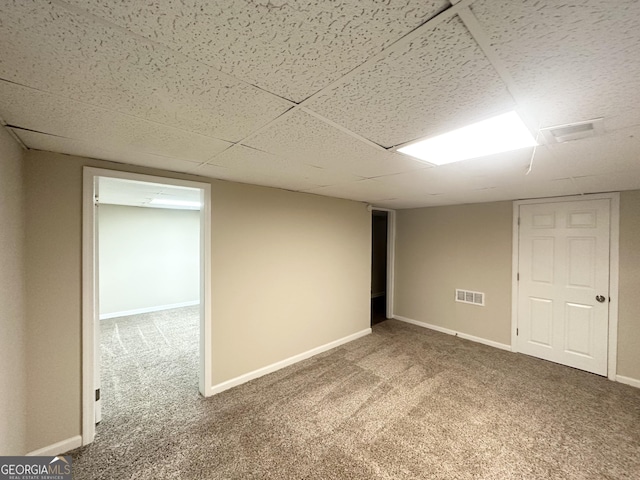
(175, 203)
(495, 135)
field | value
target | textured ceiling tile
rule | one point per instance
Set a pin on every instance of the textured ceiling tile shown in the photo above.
(50, 143)
(573, 60)
(493, 178)
(431, 181)
(481, 196)
(419, 201)
(609, 182)
(47, 47)
(254, 178)
(412, 201)
(303, 138)
(439, 81)
(427, 187)
(117, 191)
(290, 48)
(505, 164)
(540, 189)
(34, 110)
(278, 170)
(613, 152)
(513, 167)
(362, 190)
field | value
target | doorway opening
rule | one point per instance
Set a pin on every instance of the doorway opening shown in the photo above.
(382, 263)
(379, 242)
(146, 300)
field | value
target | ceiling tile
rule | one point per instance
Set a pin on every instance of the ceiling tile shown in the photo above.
(514, 167)
(367, 190)
(290, 48)
(117, 191)
(495, 178)
(430, 181)
(572, 60)
(507, 164)
(304, 138)
(50, 143)
(483, 195)
(263, 168)
(609, 182)
(540, 189)
(504, 176)
(613, 152)
(50, 48)
(439, 81)
(416, 201)
(253, 178)
(34, 110)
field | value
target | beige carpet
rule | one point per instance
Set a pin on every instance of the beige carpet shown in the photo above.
(402, 403)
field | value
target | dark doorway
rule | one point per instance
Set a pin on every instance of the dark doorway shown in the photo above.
(379, 228)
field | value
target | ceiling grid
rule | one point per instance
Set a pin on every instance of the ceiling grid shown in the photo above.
(315, 96)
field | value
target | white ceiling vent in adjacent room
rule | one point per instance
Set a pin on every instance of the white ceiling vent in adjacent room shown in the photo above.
(573, 131)
(467, 296)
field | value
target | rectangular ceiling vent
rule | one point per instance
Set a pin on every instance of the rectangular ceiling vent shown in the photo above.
(468, 296)
(573, 131)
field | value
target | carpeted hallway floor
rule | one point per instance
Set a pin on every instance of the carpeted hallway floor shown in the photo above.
(402, 403)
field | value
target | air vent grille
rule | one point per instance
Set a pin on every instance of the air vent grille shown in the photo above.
(573, 131)
(468, 296)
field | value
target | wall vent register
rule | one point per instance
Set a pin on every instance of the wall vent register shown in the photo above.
(468, 296)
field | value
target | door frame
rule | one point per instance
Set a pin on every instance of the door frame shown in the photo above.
(391, 255)
(90, 313)
(614, 260)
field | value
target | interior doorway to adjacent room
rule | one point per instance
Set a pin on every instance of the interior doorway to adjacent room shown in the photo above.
(148, 297)
(382, 257)
(146, 285)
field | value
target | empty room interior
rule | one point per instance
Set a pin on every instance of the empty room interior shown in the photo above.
(301, 239)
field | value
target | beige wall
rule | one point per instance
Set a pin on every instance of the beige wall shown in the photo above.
(469, 246)
(13, 372)
(290, 272)
(53, 292)
(149, 257)
(440, 249)
(629, 304)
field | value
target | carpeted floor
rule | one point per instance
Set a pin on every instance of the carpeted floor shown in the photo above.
(148, 361)
(401, 403)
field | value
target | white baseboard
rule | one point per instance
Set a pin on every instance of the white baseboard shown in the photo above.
(466, 336)
(234, 382)
(628, 381)
(157, 308)
(58, 448)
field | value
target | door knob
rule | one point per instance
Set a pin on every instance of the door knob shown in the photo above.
(600, 298)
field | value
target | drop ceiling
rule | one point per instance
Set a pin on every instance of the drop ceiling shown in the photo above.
(116, 191)
(314, 96)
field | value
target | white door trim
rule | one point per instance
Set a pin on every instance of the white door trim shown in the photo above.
(89, 287)
(391, 255)
(614, 259)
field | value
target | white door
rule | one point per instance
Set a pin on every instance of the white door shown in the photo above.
(563, 286)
